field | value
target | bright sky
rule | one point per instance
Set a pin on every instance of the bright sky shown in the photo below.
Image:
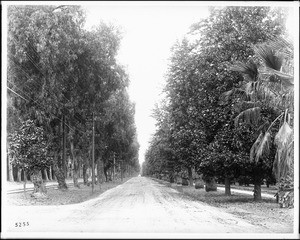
(149, 33)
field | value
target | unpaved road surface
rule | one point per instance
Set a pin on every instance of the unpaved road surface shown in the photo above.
(140, 205)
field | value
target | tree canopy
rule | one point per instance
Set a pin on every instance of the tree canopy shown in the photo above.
(59, 73)
(219, 104)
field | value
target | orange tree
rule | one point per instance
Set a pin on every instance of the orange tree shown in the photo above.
(28, 147)
(225, 37)
(198, 75)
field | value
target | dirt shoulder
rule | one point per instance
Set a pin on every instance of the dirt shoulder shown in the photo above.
(59, 197)
(265, 213)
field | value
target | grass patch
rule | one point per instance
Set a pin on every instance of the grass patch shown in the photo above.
(216, 197)
(59, 197)
(265, 213)
(219, 198)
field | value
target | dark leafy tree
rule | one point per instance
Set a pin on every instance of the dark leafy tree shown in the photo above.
(59, 74)
(201, 116)
(28, 148)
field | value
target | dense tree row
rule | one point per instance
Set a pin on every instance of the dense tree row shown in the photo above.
(228, 111)
(61, 77)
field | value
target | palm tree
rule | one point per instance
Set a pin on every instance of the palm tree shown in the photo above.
(270, 85)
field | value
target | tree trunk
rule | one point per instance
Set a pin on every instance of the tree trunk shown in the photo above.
(171, 178)
(46, 174)
(10, 173)
(19, 171)
(257, 189)
(75, 174)
(85, 176)
(25, 181)
(210, 184)
(105, 173)
(95, 172)
(121, 170)
(39, 186)
(190, 176)
(179, 180)
(227, 187)
(79, 172)
(99, 171)
(50, 173)
(75, 164)
(71, 170)
(185, 182)
(94, 177)
(64, 164)
(75, 178)
(10, 176)
(199, 183)
(110, 174)
(53, 175)
(59, 174)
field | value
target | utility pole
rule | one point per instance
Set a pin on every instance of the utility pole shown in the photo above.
(93, 155)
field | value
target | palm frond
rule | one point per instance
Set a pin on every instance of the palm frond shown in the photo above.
(283, 50)
(251, 90)
(284, 160)
(270, 85)
(287, 159)
(284, 45)
(282, 102)
(263, 127)
(266, 94)
(289, 54)
(284, 140)
(251, 115)
(250, 69)
(261, 146)
(250, 87)
(243, 105)
(238, 92)
(279, 77)
(255, 146)
(284, 135)
(269, 57)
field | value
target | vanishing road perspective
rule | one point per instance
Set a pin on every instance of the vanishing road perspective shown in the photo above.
(149, 118)
(139, 205)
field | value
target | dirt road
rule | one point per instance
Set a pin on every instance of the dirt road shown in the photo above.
(140, 205)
